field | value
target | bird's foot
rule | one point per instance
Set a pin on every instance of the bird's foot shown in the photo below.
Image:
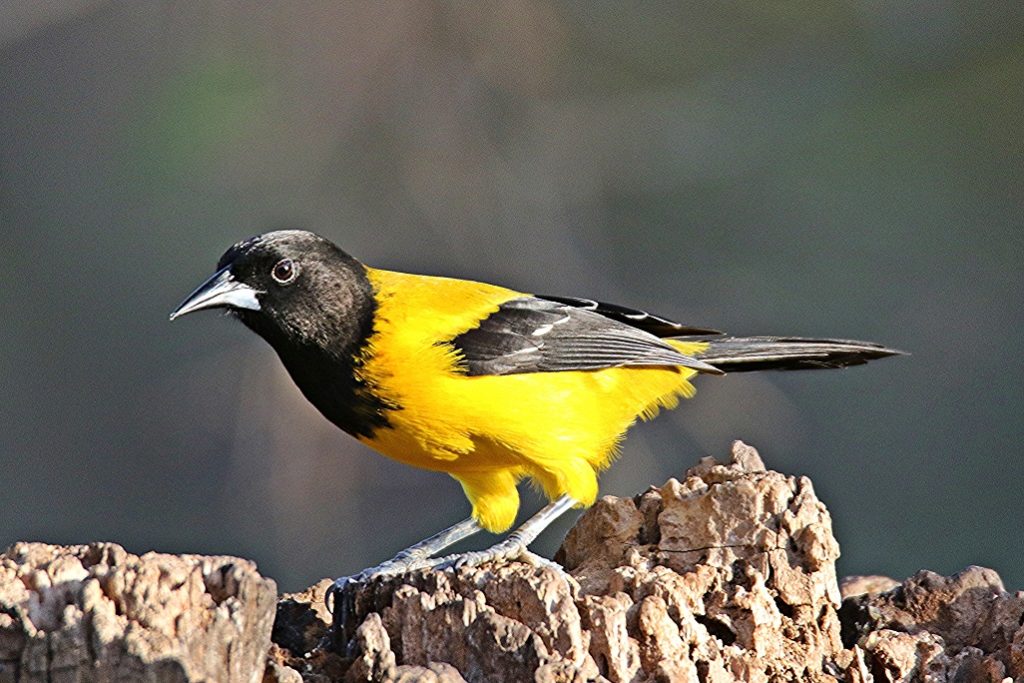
(509, 549)
(345, 587)
(341, 600)
(542, 562)
(341, 596)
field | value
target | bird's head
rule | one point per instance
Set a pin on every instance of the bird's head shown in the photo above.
(289, 286)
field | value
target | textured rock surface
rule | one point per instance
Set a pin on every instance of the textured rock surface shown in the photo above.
(964, 627)
(99, 613)
(726, 575)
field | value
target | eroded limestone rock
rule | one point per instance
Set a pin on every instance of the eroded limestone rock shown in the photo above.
(964, 627)
(725, 575)
(98, 613)
(728, 574)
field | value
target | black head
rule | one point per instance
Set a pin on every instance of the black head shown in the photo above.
(294, 288)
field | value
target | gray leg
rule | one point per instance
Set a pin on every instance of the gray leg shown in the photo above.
(436, 543)
(514, 545)
(341, 596)
(414, 555)
(411, 558)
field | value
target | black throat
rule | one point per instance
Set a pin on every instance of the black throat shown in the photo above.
(323, 348)
(329, 382)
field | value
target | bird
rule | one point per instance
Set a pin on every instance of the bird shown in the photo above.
(484, 383)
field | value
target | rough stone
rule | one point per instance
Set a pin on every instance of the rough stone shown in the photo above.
(964, 627)
(727, 574)
(98, 613)
(852, 586)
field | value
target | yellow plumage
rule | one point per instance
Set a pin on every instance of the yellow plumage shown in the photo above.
(488, 432)
(485, 383)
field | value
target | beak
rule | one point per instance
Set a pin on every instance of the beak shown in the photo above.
(220, 291)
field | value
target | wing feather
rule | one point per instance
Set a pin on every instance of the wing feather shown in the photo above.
(530, 334)
(648, 322)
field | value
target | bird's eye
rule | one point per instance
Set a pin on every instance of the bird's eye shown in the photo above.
(284, 271)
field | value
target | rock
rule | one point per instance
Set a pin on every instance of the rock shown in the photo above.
(301, 618)
(728, 574)
(725, 575)
(99, 613)
(964, 627)
(852, 586)
(299, 627)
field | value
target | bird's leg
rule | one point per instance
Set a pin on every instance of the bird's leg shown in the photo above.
(433, 545)
(514, 546)
(413, 556)
(340, 597)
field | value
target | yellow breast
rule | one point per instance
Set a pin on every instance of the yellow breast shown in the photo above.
(558, 428)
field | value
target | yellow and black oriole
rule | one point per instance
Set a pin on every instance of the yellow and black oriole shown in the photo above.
(486, 384)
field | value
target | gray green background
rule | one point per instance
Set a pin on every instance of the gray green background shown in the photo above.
(842, 169)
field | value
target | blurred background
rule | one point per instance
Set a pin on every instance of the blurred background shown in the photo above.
(842, 169)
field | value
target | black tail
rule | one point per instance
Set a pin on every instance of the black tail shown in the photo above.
(742, 354)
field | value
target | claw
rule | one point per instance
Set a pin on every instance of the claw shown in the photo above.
(536, 560)
(337, 589)
(341, 602)
(501, 551)
(341, 596)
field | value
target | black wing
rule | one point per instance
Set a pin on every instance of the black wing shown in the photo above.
(542, 335)
(648, 322)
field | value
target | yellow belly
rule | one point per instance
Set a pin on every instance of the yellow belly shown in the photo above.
(559, 429)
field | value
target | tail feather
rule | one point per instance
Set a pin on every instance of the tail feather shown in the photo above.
(742, 354)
